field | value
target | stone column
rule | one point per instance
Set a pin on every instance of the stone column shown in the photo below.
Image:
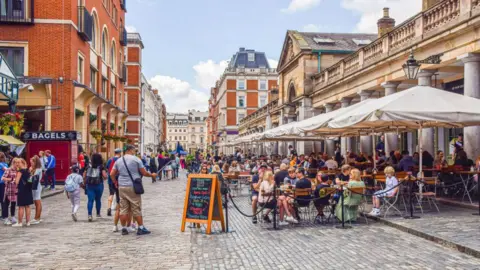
(391, 139)
(346, 143)
(425, 79)
(472, 89)
(305, 112)
(365, 141)
(329, 144)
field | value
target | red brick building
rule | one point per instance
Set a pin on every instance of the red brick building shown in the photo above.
(72, 54)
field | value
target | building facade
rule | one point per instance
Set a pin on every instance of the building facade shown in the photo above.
(197, 130)
(444, 27)
(152, 117)
(241, 90)
(177, 130)
(76, 82)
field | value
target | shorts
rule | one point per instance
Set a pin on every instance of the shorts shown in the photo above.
(37, 194)
(381, 194)
(269, 205)
(321, 202)
(130, 201)
(112, 189)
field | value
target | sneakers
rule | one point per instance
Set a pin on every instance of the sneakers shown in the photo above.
(374, 212)
(142, 231)
(109, 212)
(115, 228)
(99, 216)
(28, 224)
(17, 225)
(124, 231)
(7, 222)
(254, 220)
(74, 217)
(131, 229)
(283, 223)
(35, 222)
(14, 220)
(291, 219)
(90, 218)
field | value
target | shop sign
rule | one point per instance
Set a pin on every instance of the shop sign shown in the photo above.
(52, 136)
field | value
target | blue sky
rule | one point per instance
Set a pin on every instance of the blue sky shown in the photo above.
(187, 41)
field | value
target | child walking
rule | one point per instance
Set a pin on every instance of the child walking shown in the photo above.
(72, 189)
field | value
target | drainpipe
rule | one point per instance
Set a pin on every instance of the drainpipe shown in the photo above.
(319, 61)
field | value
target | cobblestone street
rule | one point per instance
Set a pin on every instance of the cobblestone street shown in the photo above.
(59, 243)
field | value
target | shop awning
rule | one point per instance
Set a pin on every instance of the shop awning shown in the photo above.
(10, 140)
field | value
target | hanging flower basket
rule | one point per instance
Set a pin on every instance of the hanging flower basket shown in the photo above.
(109, 136)
(11, 121)
(97, 134)
(123, 139)
(116, 138)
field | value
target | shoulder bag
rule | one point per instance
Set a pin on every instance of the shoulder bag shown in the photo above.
(137, 183)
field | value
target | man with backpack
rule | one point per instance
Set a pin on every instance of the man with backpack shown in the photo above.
(111, 187)
(72, 188)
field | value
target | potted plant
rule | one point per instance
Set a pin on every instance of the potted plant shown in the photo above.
(116, 138)
(108, 136)
(123, 139)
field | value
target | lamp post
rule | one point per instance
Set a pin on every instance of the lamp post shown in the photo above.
(412, 66)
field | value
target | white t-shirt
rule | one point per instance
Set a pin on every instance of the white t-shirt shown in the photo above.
(267, 188)
(390, 183)
(331, 164)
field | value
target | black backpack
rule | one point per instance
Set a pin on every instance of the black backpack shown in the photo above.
(94, 176)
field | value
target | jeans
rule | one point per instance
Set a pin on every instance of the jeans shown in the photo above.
(94, 193)
(50, 174)
(5, 205)
(174, 172)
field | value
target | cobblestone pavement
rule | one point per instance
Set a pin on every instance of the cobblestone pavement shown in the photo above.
(59, 243)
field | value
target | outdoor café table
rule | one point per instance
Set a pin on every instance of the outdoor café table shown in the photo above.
(467, 177)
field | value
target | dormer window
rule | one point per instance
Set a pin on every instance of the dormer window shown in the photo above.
(361, 42)
(251, 57)
(324, 41)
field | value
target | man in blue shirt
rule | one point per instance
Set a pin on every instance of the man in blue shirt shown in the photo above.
(50, 169)
(406, 164)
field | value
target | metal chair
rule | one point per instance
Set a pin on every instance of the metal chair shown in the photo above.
(429, 196)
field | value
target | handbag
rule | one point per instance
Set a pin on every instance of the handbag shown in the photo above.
(35, 179)
(137, 183)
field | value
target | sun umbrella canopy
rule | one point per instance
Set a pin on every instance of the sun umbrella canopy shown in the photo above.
(277, 132)
(418, 106)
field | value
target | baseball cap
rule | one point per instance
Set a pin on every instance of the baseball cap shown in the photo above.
(128, 147)
(118, 150)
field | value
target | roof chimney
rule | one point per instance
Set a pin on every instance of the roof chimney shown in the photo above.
(385, 24)
(242, 49)
(426, 4)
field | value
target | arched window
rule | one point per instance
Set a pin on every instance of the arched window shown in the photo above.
(104, 46)
(291, 92)
(113, 57)
(94, 42)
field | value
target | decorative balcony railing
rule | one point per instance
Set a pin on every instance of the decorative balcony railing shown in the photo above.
(260, 113)
(446, 13)
(123, 4)
(16, 11)
(123, 35)
(85, 24)
(123, 72)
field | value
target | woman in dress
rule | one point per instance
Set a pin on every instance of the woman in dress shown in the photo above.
(10, 199)
(24, 196)
(351, 200)
(36, 169)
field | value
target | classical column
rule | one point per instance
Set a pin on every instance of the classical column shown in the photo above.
(472, 89)
(305, 112)
(346, 143)
(329, 144)
(425, 79)
(365, 141)
(391, 139)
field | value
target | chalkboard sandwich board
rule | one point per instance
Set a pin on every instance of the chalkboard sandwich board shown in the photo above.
(203, 201)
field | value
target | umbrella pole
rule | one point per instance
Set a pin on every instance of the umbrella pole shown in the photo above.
(374, 153)
(410, 182)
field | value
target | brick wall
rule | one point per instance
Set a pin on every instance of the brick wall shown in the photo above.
(133, 54)
(231, 117)
(252, 99)
(133, 75)
(231, 84)
(252, 84)
(231, 99)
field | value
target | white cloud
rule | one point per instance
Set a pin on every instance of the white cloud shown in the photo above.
(372, 10)
(178, 95)
(131, 29)
(207, 73)
(300, 5)
(273, 63)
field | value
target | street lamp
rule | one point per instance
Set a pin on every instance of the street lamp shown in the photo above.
(412, 66)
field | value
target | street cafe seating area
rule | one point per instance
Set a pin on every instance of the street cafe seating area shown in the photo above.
(452, 182)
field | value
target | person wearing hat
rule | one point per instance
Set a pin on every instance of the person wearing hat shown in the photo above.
(112, 188)
(255, 187)
(72, 189)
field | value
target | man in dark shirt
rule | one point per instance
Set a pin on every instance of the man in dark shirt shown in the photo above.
(407, 163)
(380, 148)
(280, 176)
(303, 183)
(292, 150)
(344, 176)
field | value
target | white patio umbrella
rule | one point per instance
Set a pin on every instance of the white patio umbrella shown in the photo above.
(415, 108)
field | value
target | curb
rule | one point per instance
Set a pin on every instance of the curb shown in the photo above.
(436, 239)
(51, 194)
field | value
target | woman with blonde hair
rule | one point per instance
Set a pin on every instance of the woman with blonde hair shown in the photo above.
(24, 196)
(266, 197)
(10, 199)
(351, 200)
(36, 172)
(234, 167)
(391, 188)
